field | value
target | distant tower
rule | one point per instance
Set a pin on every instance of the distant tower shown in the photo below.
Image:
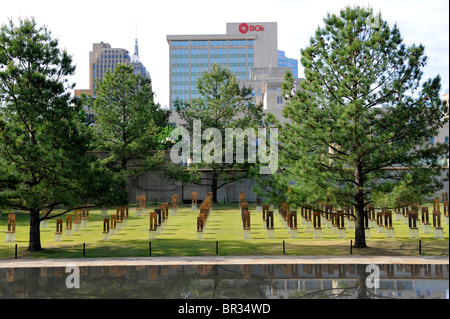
(136, 48)
(138, 67)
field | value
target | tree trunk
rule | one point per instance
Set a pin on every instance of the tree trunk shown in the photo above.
(124, 164)
(360, 236)
(35, 232)
(214, 182)
(361, 281)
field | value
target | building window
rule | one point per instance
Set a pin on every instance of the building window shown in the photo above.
(279, 100)
(236, 42)
(217, 42)
(199, 43)
(432, 140)
(180, 43)
(446, 140)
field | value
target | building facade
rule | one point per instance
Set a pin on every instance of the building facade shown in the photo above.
(443, 136)
(244, 49)
(136, 63)
(266, 84)
(104, 58)
(190, 56)
(284, 61)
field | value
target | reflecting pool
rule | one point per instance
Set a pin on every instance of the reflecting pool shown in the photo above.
(272, 281)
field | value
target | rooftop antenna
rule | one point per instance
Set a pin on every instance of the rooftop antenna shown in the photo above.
(136, 49)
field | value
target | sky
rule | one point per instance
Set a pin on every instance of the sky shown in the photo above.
(79, 24)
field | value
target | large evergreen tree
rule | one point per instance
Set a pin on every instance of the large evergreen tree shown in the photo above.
(43, 143)
(128, 122)
(361, 116)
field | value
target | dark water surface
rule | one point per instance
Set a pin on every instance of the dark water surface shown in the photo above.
(277, 281)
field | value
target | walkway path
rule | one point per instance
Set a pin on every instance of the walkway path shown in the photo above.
(223, 260)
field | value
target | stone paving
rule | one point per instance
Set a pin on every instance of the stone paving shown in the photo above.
(223, 260)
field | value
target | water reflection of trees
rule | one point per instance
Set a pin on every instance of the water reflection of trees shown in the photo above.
(206, 281)
(343, 290)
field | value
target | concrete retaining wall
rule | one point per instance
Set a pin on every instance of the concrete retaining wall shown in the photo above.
(159, 188)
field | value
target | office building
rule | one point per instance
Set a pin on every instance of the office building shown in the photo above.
(284, 61)
(104, 58)
(443, 135)
(138, 66)
(249, 50)
(266, 84)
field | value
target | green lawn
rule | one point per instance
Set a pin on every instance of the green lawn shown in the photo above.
(179, 238)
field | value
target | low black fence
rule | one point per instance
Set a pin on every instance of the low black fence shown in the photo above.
(156, 249)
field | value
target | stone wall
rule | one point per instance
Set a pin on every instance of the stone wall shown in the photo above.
(158, 188)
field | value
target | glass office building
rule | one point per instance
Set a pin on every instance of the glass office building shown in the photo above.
(189, 59)
(249, 50)
(284, 61)
(242, 48)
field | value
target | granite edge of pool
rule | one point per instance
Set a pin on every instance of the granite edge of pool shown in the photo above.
(221, 260)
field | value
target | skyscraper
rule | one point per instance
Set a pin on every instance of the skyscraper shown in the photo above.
(243, 47)
(138, 67)
(284, 61)
(104, 58)
(249, 50)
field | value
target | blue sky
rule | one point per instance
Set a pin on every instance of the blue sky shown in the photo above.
(80, 23)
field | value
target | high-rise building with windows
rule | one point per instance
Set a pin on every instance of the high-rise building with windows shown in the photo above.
(138, 67)
(284, 61)
(190, 58)
(243, 47)
(104, 58)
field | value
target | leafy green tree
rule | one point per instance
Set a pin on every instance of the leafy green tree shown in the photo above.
(222, 105)
(43, 145)
(127, 122)
(361, 116)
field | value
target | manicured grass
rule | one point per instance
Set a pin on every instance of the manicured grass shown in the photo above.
(179, 238)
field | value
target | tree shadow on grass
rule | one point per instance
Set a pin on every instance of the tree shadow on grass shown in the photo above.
(173, 247)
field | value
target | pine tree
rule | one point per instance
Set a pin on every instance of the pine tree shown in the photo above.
(274, 188)
(43, 144)
(361, 116)
(127, 122)
(222, 105)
